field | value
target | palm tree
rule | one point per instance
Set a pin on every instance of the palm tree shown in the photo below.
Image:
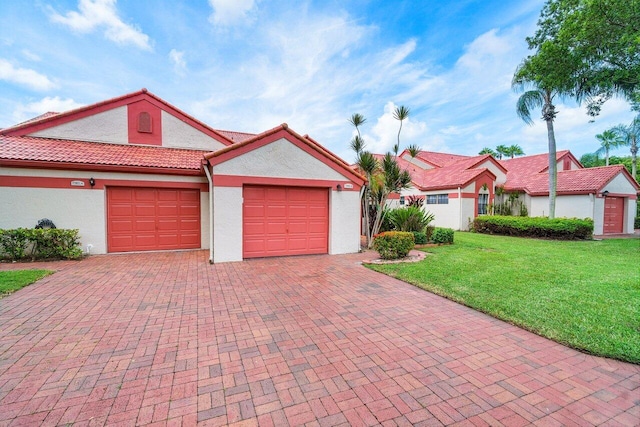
(541, 98)
(501, 150)
(401, 113)
(487, 150)
(608, 140)
(630, 135)
(514, 150)
(383, 178)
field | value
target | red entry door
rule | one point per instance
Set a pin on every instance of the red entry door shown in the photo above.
(146, 219)
(281, 221)
(613, 215)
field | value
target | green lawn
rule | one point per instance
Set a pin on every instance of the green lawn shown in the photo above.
(584, 294)
(11, 281)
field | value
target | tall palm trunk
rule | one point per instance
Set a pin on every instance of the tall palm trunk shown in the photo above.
(548, 114)
(634, 156)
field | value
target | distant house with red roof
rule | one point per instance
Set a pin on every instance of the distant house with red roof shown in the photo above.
(135, 173)
(459, 188)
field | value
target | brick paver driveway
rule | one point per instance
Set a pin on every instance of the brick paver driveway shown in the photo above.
(167, 338)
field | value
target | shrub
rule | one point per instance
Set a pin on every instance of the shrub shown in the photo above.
(541, 227)
(39, 243)
(419, 237)
(429, 232)
(393, 244)
(636, 222)
(411, 218)
(442, 235)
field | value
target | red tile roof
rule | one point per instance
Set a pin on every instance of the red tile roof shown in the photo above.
(528, 173)
(236, 136)
(38, 118)
(32, 149)
(454, 174)
(578, 181)
(521, 169)
(439, 159)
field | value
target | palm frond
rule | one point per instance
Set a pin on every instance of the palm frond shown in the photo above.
(528, 101)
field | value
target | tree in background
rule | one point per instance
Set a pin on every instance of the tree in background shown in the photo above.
(514, 150)
(630, 135)
(383, 177)
(601, 40)
(487, 150)
(501, 151)
(608, 141)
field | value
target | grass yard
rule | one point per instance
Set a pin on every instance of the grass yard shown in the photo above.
(584, 294)
(11, 281)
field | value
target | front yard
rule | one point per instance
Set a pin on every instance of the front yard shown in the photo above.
(584, 294)
(11, 281)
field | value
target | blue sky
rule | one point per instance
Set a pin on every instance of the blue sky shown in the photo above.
(250, 65)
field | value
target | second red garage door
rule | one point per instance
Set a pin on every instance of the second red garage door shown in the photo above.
(145, 219)
(285, 221)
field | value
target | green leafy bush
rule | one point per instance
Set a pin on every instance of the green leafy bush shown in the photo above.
(52, 243)
(420, 238)
(429, 232)
(442, 235)
(411, 218)
(541, 227)
(636, 222)
(393, 244)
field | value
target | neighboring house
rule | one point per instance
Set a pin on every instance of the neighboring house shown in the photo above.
(134, 173)
(459, 188)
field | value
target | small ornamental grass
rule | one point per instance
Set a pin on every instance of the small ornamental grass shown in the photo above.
(393, 244)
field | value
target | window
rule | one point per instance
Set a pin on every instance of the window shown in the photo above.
(566, 164)
(437, 199)
(402, 200)
(483, 201)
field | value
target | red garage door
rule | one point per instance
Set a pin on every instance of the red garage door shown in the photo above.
(613, 214)
(285, 221)
(145, 219)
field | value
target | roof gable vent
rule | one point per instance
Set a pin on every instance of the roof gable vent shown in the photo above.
(145, 124)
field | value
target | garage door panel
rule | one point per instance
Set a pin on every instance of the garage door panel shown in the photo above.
(285, 221)
(144, 195)
(140, 219)
(168, 210)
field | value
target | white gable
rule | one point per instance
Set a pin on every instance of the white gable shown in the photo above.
(178, 134)
(107, 126)
(279, 159)
(620, 185)
(501, 177)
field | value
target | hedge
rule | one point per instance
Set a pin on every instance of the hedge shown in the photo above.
(541, 227)
(442, 235)
(393, 244)
(636, 222)
(39, 243)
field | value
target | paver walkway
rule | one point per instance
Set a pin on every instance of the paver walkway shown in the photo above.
(167, 339)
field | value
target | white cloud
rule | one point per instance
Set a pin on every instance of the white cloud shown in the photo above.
(24, 76)
(30, 55)
(384, 134)
(230, 12)
(179, 64)
(45, 105)
(102, 13)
